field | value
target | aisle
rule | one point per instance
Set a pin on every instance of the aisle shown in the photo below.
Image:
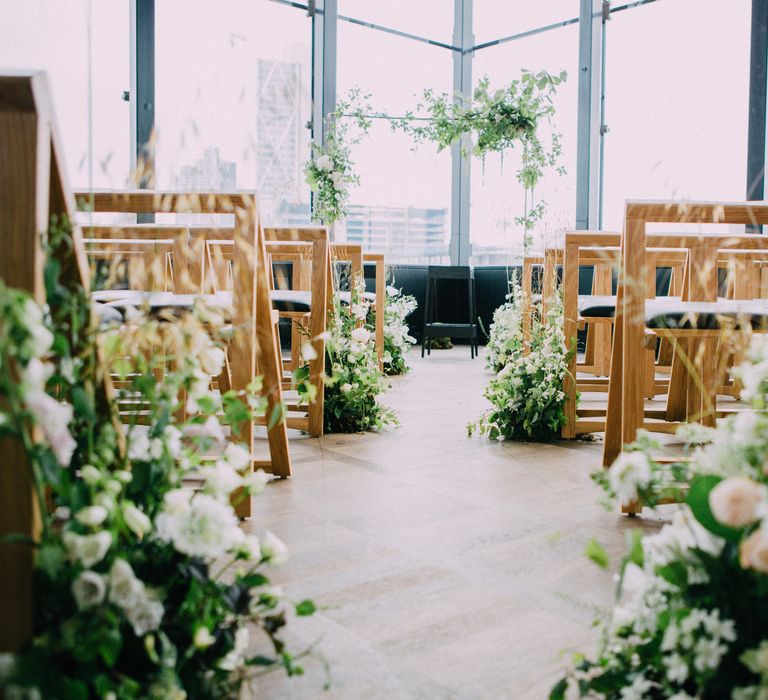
(449, 567)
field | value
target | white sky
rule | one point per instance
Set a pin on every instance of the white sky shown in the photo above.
(676, 92)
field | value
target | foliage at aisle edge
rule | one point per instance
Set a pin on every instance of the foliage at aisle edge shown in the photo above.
(527, 393)
(691, 616)
(142, 588)
(397, 338)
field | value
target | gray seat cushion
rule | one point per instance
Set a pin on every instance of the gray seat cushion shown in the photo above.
(107, 315)
(692, 315)
(291, 301)
(597, 306)
(160, 301)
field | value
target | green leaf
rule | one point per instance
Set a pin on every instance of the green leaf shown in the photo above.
(596, 552)
(110, 644)
(698, 501)
(559, 690)
(305, 608)
(50, 559)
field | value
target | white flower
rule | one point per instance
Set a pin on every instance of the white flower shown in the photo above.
(392, 291)
(91, 516)
(210, 429)
(677, 668)
(708, 653)
(41, 338)
(361, 335)
(88, 589)
(7, 662)
(139, 444)
(204, 527)
(237, 456)
(125, 590)
(221, 479)
(136, 520)
(273, 549)
(324, 162)
(173, 441)
(235, 657)
(212, 360)
(54, 418)
(145, 616)
(628, 473)
(737, 501)
(346, 388)
(203, 638)
(250, 548)
(637, 690)
(35, 375)
(87, 549)
(90, 474)
(308, 351)
(753, 552)
(255, 482)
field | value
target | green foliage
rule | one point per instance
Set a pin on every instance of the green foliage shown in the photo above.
(527, 396)
(495, 121)
(397, 339)
(355, 380)
(131, 600)
(329, 172)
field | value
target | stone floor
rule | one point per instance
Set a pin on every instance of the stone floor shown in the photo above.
(445, 566)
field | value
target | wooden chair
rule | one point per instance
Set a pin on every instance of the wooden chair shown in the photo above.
(254, 342)
(33, 188)
(695, 325)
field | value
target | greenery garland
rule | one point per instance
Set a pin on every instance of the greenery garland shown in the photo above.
(496, 121)
(397, 339)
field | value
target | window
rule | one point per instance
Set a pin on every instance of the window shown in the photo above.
(402, 205)
(677, 103)
(495, 19)
(496, 196)
(233, 100)
(431, 19)
(84, 48)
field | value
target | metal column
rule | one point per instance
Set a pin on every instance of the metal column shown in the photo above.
(591, 27)
(463, 39)
(324, 14)
(142, 93)
(757, 101)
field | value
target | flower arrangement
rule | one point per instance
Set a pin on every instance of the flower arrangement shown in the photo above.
(505, 336)
(143, 588)
(397, 338)
(329, 172)
(690, 619)
(496, 121)
(351, 403)
(527, 393)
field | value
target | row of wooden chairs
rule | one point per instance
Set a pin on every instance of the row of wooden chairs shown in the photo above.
(642, 342)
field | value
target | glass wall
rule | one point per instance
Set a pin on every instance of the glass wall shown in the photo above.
(402, 204)
(432, 19)
(84, 48)
(677, 102)
(496, 197)
(233, 96)
(495, 19)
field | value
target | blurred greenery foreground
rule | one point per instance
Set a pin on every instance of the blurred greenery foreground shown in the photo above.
(143, 588)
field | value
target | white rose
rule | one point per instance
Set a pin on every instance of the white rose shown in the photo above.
(136, 520)
(87, 549)
(255, 482)
(359, 311)
(337, 178)
(54, 418)
(308, 351)
(146, 616)
(392, 291)
(237, 456)
(221, 479)
(753, 552)
(91, 516)
(88, 589)
(273, 549)
(125, 590)
(324, 162)
(203, 638)
(346, 388)
(361, 335)
(737, 501)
